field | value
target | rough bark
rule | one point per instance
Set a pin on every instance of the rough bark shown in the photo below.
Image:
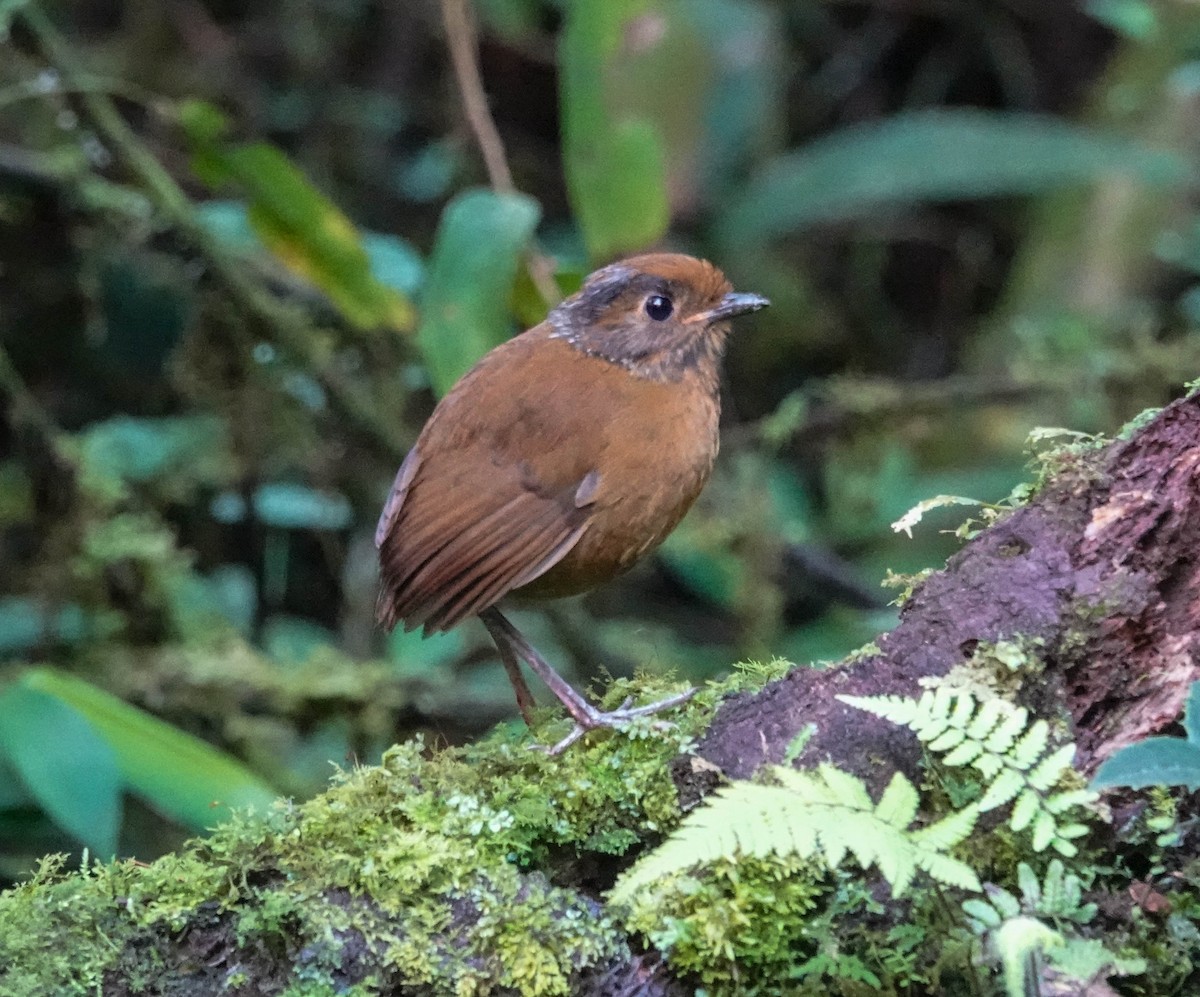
(1101, 566)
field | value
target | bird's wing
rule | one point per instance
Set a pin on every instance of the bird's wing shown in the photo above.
(484, 505)
(466, 534)
(395, 499)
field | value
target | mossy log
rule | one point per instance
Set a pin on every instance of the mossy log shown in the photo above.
(483, 870)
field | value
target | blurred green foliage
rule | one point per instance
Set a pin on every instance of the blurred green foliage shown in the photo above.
(244, 249)
(475, 259)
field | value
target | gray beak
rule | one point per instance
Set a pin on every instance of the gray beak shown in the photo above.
(733, 304)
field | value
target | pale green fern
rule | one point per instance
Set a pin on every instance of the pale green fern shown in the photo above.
(1041, 927)
(822, 815)
(1013, 755)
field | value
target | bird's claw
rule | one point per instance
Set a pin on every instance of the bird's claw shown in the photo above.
(590, 719)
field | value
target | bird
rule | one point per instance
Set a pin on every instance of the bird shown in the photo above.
(564, 456)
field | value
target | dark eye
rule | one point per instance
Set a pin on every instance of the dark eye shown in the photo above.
(659, 307)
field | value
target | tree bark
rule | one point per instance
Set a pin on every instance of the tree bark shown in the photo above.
(1102, 567)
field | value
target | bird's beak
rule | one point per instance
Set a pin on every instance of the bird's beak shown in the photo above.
(732, 304)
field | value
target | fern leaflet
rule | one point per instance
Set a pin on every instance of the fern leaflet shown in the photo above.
(997, 739)
(822, 815)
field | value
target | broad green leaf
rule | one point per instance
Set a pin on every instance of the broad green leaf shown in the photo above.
(294, 507)
(1191, 714)
(932, 156)
(1156, 761)
(614, 155)
(64, 763)
(180, 775)
(13, 794)
(395, 262)
(1135, 19)
(475, 257)
(301, 226)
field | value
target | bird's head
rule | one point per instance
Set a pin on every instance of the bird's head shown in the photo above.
(656, 315)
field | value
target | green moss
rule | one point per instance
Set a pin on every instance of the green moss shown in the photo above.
(426, 862)
(735, 921)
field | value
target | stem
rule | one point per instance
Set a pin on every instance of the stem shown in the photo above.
(463, 43)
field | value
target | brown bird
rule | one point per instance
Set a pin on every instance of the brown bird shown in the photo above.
(560, 459)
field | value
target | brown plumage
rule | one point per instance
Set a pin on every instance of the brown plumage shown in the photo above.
(562, 457)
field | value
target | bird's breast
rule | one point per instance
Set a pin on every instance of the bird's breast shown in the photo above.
(656, 453)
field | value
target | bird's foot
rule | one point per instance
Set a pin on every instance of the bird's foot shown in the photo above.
(587, 718)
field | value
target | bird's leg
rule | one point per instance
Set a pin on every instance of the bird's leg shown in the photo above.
(512, 665)
(510, 641)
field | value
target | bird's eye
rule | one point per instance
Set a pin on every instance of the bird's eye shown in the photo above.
(659, 307)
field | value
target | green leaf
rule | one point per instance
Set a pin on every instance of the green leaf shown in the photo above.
(898, 804)
(1135, 19)
(1003, 788)
(465, 313)
(180, 775)
(226, 595)
(1043, 831)
(393, 261)
(1018, 941)
(293, 640)
(1191, 714)
(415, 656)
(8, 8)
(301, 227)
(1024, 810)
(613, 155)
(1156, 761)
(64, 763)
(139, 450)
(982, 911)
(293, 507)
(287, 506)
(825, 815)
(26, 622)
(746, 109)
(855, 173)
(699, 554)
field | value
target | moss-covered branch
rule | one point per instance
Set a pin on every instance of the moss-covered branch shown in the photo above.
(483, 870)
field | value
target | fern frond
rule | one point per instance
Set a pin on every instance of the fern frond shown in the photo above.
(1049, 771)
(996, 738)
(1030, 746)
(949, 831)
(1024, 810)
(822, 815)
